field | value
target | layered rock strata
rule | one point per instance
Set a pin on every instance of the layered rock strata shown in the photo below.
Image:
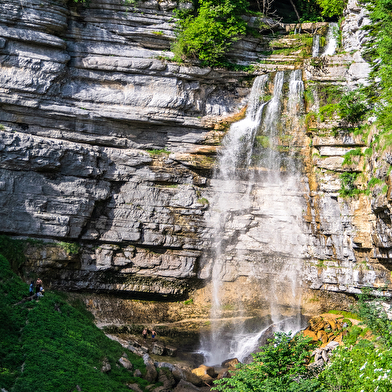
(107, 144)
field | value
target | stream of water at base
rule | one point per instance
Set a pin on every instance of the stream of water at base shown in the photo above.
(255, 175)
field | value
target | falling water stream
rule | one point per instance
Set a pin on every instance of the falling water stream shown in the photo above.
(256, 217)
(331, 42)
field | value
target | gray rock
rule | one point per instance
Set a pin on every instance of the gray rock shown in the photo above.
(184, 386)
(158, 349)
(125, 362)
(106, 366)
(151, 373)
(134, 387)
(186, 375)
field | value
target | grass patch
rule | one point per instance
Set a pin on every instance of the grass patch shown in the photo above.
(345, 314)
(57, 344)
(157, 152)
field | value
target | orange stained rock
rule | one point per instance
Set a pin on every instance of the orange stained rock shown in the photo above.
(310, 334)
(322, 336)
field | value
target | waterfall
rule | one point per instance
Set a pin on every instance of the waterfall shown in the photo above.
(256, 217)
(316, 45)
(331, 40)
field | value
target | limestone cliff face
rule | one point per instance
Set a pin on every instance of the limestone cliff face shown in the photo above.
(106, 144)
(83, 101)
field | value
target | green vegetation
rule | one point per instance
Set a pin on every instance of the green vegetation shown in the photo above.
(203, 201)
(348, 187)
(332, 8)
(48, 345)
(71, 248)
(156, 152)
(348, 157)
(345, 314)
(353, 106)
(279, 366)
(209, 32)
(380, 51)
(13, 250)
(263, 141)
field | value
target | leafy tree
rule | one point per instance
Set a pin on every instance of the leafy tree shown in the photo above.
(330, 8)
(278, 367)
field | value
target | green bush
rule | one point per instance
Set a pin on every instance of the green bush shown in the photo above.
(348, 187)
(348, 157)
(353, 106)
(209, 34)
(279, 366)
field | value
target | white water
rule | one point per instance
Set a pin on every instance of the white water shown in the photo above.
(258, 185)
(331, 40)
(316, 45)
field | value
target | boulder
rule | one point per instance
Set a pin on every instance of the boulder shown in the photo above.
(136, 350)
(186, 375)
(184, 386)
(105, 366)
(168, 365)
(203, 369)
(310, 334)
(171, 351)
(316, 323)
(322, 336)
(125, 362)
(151, 373)
(158, 349)
(137, 373)
(230, 363)
(166, 378)
(134, 387)
(224, 374)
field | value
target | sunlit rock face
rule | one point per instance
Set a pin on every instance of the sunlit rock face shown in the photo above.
(84, 97)
(107, 144)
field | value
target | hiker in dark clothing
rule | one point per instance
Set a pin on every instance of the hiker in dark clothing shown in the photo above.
(144, 333)
(31, 288)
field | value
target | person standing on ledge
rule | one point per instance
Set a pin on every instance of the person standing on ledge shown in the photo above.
(153, 334)
(144, 333)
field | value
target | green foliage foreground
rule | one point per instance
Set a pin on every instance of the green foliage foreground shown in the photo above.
(48, 345)
(279, 366)
(364, 364)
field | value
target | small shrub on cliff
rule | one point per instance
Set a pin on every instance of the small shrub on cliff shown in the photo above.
(348, 187)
